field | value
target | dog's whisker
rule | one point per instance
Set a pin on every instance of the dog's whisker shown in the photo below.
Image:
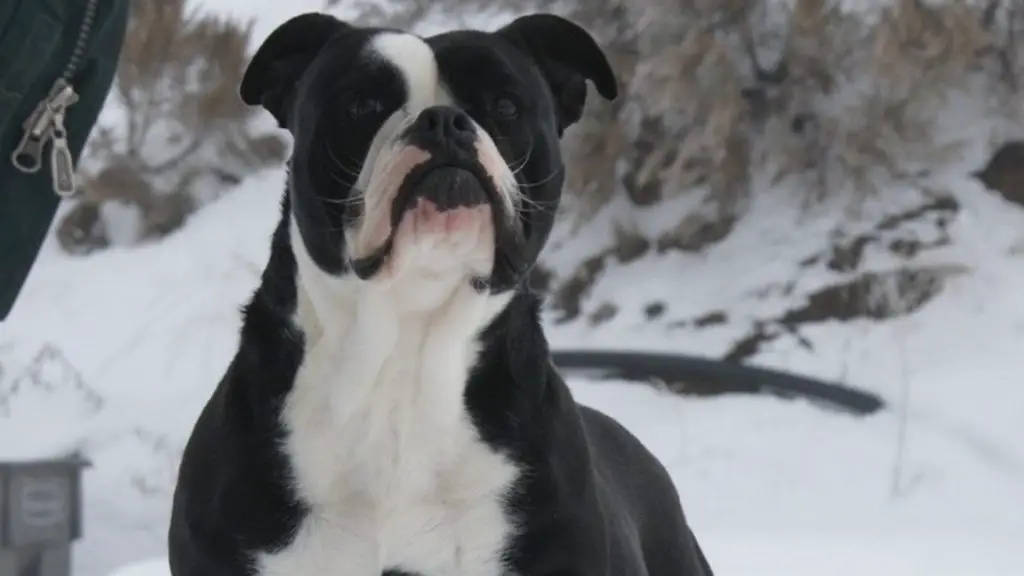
(340, 201)
(521, 163)
(339, 162)
(531, 205)
(340, 180)
(354, 173)
(540, 182)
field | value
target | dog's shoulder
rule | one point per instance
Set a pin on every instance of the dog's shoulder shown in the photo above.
(233, 493)
(233, 482)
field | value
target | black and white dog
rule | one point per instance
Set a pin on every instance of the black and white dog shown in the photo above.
(392, 407)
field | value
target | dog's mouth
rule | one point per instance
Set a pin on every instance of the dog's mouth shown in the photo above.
(448, 188)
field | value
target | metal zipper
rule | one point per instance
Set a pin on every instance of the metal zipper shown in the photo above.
(46, 123)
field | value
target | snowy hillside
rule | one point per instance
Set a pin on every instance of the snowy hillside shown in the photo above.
(114, 355)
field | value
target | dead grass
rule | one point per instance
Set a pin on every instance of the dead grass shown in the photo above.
(717, 90)
(181, 123)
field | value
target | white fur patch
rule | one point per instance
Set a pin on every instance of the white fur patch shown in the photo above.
(415, 60)
(378, 436)
(431, 247)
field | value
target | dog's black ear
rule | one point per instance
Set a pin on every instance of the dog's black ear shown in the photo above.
(568, 56)
(282, 58)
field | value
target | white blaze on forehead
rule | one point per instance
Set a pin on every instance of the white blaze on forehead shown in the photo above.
(415, 60)
(391, 158)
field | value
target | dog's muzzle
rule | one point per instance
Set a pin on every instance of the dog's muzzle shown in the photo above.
(454, 174)
(447, 187)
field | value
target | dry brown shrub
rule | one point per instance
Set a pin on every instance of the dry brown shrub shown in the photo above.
(184, 133)
(717, 90)
(843, 98)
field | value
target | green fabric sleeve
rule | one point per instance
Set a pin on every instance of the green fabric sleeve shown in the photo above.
(36, 42)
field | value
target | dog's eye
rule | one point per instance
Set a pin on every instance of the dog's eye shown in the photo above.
(506, 107)
(362, 108)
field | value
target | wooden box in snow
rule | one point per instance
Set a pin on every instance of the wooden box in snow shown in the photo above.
(40, 516)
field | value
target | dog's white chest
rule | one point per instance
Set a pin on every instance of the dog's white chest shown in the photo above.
(393, 470)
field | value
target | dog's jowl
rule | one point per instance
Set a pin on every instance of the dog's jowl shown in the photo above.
(392, 408)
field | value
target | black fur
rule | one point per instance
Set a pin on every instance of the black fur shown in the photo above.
(594, 501)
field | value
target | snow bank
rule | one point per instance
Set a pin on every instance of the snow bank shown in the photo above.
(155, 567)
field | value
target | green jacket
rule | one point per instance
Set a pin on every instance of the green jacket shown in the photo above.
(41, 42)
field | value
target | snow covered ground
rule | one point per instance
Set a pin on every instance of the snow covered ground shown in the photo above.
(115, 354)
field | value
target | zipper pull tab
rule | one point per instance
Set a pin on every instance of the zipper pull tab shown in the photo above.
(39, 127)
(28, 156)
(62, 165)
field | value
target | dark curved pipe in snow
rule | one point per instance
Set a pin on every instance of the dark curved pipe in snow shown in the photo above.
(709, 377)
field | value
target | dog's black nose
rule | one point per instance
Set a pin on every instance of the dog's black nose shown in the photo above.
(442, 126)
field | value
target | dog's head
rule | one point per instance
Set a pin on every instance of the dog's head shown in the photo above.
(431, 158)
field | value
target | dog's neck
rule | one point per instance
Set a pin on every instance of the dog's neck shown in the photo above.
(421, 328)
(383, 320)
(288, 322)
(388, 313)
